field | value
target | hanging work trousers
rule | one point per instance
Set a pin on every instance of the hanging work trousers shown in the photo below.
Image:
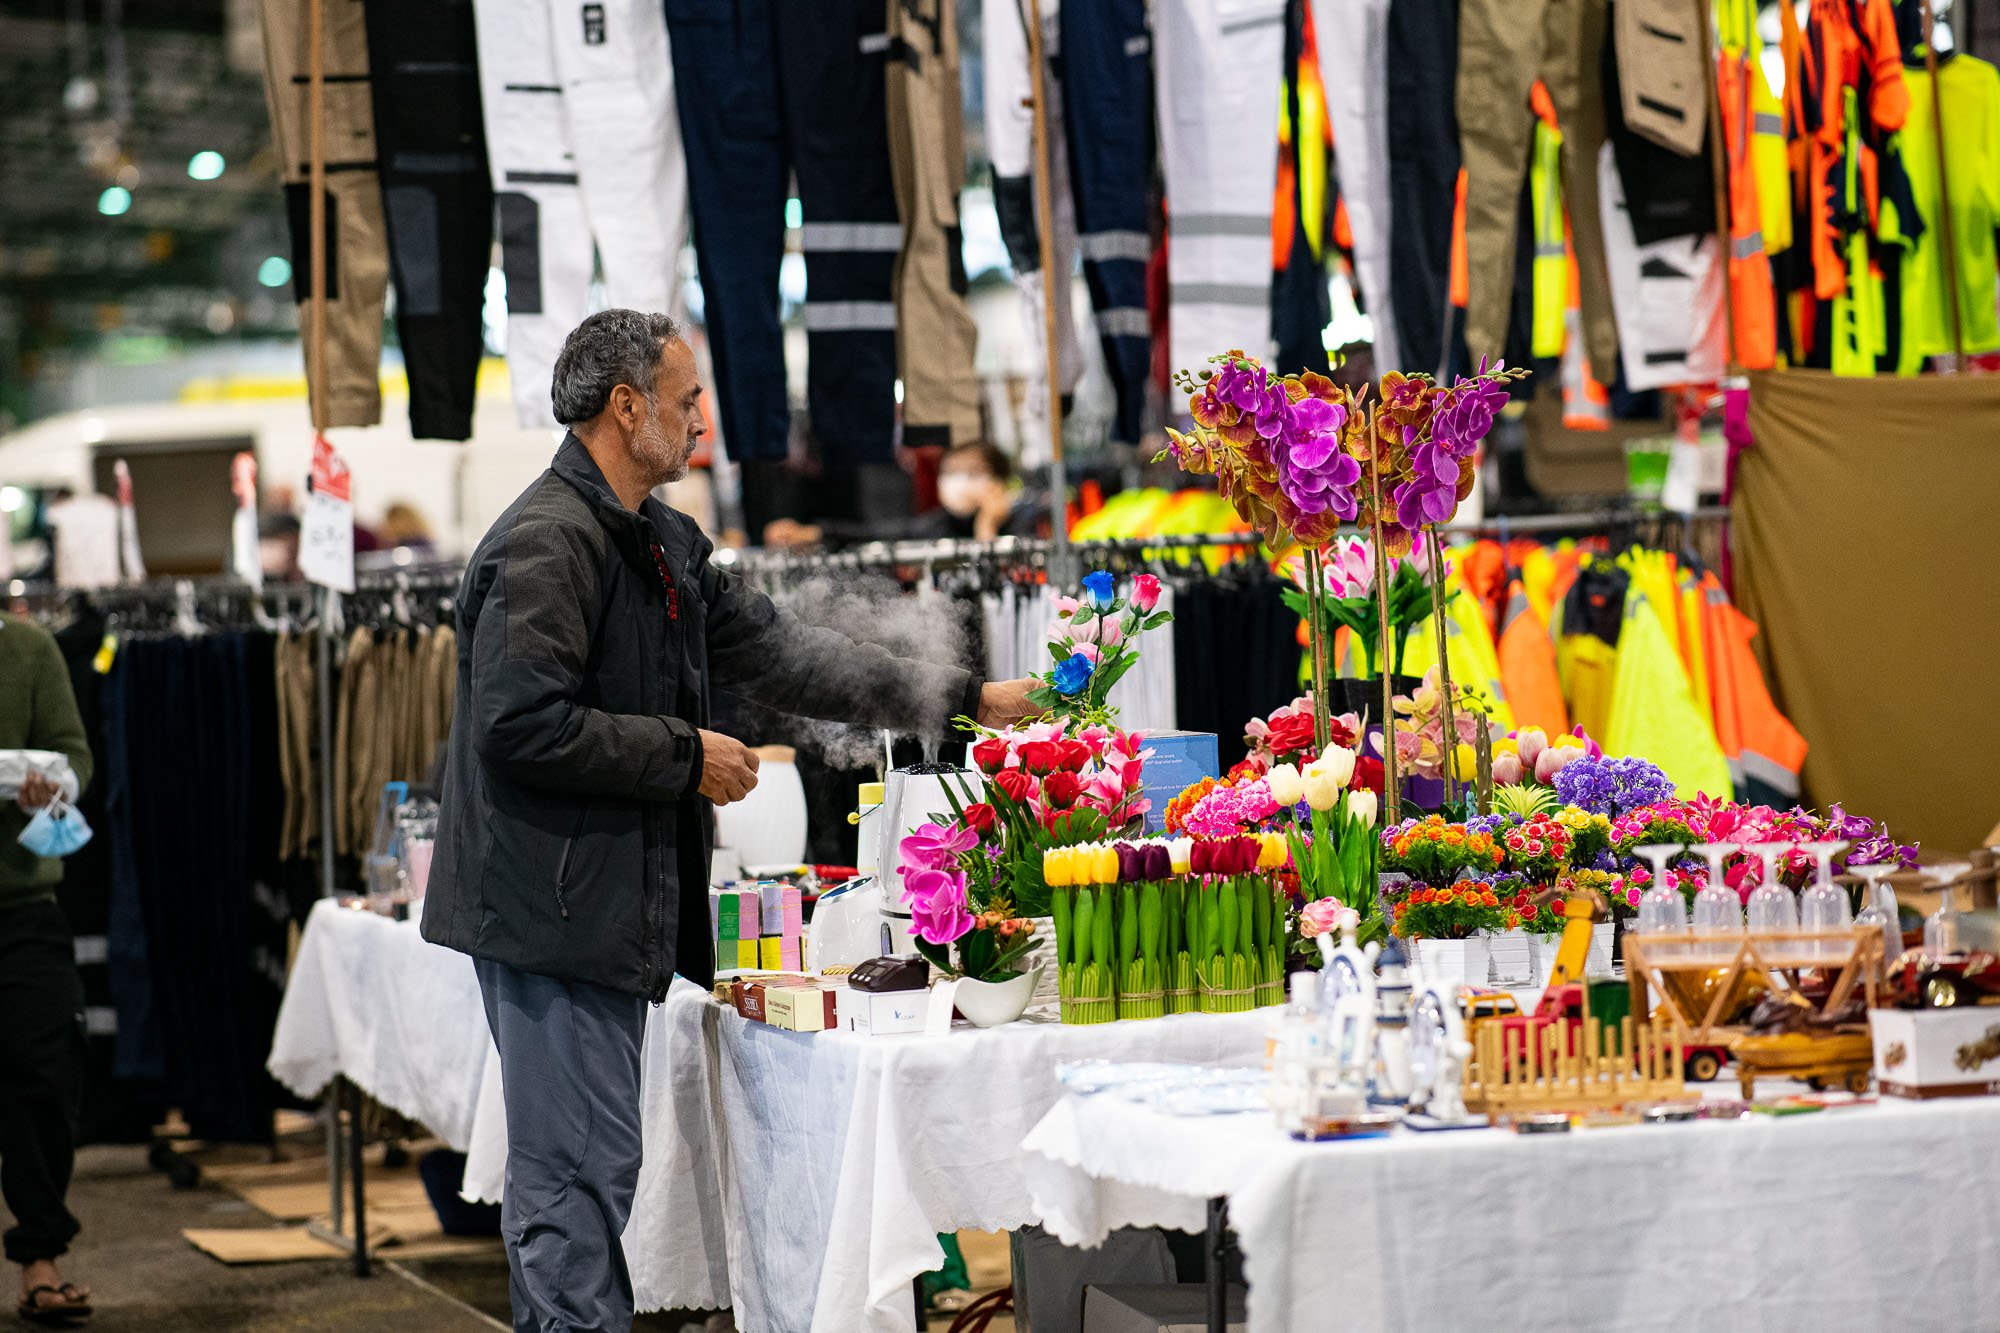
(1107, 86)
(357, 251)
(935, 334)
(726, 80)
(743, 139)
(585, 146)
(1503, 48)
(1010, 146)
(437, 200)
(1669, 295)
(1422, 117)
(1354, 66)
(1220, 73)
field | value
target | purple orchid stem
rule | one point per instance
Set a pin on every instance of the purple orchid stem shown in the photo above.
(1315, 595)
(1448, 742)
(1392, 795)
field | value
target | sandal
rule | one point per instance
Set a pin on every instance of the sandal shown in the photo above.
(75, 1306)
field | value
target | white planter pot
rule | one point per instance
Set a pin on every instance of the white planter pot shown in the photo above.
(988, 1004)
(1454, 962)
(1513, 963)
(1598, 963)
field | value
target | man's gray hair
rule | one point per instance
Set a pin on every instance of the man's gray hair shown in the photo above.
(611, 348)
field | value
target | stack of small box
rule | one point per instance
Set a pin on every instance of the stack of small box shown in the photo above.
(758, 926)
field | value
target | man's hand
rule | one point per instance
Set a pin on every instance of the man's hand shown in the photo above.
(1002, 703)
(728, 768)
(36, 791)
(786, 532)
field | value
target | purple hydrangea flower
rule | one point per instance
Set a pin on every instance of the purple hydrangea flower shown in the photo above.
(1611, 787)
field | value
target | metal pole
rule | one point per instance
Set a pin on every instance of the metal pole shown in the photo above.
(323, 702)
(1217, 1266)
(316, 209)
(355, 1170)
(1055, 287)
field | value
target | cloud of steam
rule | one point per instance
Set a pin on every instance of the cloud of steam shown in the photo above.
(871, 608)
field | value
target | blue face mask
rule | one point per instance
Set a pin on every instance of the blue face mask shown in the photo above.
(58, 829)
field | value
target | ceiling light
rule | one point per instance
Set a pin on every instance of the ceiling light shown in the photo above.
(114, 201)
(205, 165)
(274, 272)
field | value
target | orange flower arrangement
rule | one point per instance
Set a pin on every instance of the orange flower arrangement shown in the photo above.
(1179, 806)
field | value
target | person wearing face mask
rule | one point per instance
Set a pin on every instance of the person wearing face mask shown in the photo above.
(974, 501)
(576, 811)
(41, 996)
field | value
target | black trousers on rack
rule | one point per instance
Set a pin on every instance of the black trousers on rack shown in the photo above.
(765, 88)
(1107, 87)
(41, 1074)
(437, 201)
(1423, 140)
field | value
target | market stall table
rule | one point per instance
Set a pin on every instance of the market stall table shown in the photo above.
(845, 1155)
(801, 1178)
(1866, 1217)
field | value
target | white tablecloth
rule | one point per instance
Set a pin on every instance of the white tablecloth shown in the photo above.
(848, 1154)
(369, 998)
(801, 1178)
(1866, 1218)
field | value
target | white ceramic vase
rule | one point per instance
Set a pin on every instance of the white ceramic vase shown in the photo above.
(988, 1004)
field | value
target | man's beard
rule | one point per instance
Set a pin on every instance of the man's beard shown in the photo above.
(657, 454)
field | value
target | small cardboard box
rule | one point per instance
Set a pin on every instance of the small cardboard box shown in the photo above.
(1180, 759)
(801, 1008)
(1937, 1052)
(883, 1013)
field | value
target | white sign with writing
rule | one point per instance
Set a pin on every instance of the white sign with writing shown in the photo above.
(326, 537)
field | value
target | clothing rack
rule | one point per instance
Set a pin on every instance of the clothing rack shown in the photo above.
(1028, 551)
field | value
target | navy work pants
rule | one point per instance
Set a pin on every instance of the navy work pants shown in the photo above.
(569, 1073)
(437, 202)
(768, 87)
(1107, 77)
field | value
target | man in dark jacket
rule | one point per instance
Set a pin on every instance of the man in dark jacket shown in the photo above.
(573, 843)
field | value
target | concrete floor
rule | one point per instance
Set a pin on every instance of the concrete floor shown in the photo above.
(145, 1278)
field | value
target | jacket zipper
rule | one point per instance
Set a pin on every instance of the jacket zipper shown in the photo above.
(563, 867)
(657, 964)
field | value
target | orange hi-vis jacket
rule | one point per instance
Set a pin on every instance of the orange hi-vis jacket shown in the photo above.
(1752, 302)
(1846, 44)
(1760, 743)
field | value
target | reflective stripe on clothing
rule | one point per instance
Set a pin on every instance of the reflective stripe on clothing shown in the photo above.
(1218, 91)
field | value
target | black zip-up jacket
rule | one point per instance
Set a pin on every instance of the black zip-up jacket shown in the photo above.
(571, 839)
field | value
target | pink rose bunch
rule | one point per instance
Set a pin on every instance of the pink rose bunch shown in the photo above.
(1326, 916)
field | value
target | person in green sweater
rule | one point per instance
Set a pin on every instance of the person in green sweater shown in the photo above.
(41, 995)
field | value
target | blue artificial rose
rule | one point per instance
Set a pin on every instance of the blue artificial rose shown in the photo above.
(1072, 675)
(1099, 589)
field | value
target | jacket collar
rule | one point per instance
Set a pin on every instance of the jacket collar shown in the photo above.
(632, 531)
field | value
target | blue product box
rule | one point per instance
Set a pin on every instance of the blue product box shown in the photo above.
(1180, 759)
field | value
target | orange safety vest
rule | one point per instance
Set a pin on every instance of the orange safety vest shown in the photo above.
(1528, 666)
(1753, 309)
(1759, 742)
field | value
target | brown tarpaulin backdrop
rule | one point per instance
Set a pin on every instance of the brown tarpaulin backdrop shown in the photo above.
(1866, 526)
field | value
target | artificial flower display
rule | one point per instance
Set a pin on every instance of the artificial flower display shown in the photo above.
(1457, 911)
(1435, 852)
(1348, 598)
(964, 923)
(1092, 642)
